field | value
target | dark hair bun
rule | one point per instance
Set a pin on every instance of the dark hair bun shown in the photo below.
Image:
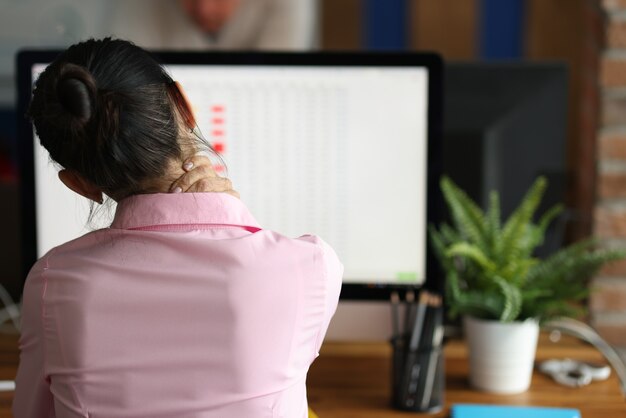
(103, 109)
(75, 91)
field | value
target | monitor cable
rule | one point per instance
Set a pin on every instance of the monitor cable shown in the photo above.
(586, 333)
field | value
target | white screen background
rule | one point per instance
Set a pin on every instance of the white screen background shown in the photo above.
(336, 152)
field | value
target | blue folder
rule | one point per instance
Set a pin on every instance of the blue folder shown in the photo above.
(499, 411)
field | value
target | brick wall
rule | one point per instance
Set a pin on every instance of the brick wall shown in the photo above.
(608, 301)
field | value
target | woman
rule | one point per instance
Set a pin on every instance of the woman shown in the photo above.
(185, 306)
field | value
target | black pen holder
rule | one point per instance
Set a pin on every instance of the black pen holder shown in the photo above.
(417, 378)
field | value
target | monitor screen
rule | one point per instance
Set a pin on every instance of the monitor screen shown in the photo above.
(340, 151)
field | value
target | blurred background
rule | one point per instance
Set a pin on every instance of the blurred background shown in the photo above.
(579, 43)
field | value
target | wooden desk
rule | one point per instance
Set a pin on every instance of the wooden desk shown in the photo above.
(9, 358)
(353, 380)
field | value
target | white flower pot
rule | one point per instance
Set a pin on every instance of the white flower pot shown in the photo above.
(501, 354)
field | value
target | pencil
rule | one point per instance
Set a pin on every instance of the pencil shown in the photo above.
(395, 324)
(408, 312)
(412, 368)
(418, 324)
(436, 338)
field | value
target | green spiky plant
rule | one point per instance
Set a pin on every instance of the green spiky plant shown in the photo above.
(491, 272)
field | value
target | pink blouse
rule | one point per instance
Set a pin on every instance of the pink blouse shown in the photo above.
(183, 308)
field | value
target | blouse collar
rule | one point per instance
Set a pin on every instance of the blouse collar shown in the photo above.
(167, 209)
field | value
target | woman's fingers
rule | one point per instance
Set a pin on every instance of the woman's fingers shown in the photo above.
(196, 169)
(213, 184)
(200, 177)
(197, 161)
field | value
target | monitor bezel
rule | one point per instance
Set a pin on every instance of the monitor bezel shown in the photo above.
(350, 291)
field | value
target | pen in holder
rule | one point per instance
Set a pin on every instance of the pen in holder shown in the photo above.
(418, 377)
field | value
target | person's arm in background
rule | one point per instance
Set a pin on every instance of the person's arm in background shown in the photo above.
(290, 25)
(33, 398)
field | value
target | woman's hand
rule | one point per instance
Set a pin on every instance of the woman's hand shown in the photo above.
(200, 177)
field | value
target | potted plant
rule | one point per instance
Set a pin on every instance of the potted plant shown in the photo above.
(502, 290)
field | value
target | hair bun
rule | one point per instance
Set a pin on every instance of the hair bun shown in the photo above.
(75, 91)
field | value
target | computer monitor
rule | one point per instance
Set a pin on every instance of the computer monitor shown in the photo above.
(505, 124)
(340, 145)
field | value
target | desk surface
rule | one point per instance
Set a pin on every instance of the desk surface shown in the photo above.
(353, 380)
